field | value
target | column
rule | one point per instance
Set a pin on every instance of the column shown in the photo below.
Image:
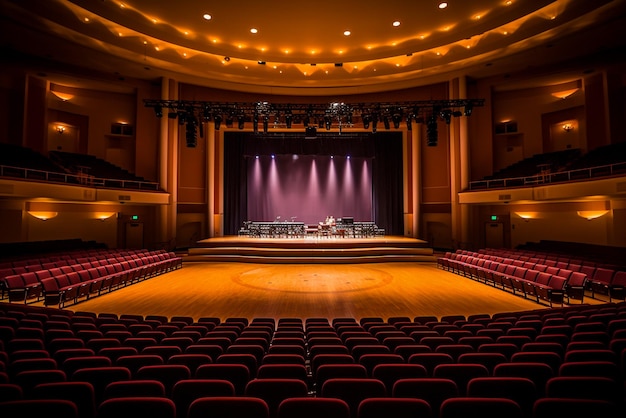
(211, 187)
(416, 155)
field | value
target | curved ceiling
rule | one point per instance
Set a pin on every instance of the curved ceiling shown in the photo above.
(294, 45)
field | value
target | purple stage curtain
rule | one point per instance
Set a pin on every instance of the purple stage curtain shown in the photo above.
(311, 185)
(307, 188)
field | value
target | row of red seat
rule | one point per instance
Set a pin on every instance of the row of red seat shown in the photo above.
(526, 279)
(16, 265)
(370, 374)
(344, 398)
(602, 279)
(69, 282)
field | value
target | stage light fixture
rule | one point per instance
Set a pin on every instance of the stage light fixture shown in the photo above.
(386, 122)
(468, 109)
(206, 113)
(255, 123)
(366, 121)
(446, 115)
(328, 122)
(374, 122)
(396, 118)
(181, 117)
(229, 120)
(158, 111)
(266, 120)
(241, 121)
(288, 119)
(218, 121)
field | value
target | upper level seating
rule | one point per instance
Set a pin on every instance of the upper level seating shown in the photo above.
(559, 166)
(550, 162)
(598, 159)
(86, 370)
(97, 170)
(21, 162)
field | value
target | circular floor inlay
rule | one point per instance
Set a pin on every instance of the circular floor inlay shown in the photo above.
(310, 279)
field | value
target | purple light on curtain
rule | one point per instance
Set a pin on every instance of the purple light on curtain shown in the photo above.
(308, 188)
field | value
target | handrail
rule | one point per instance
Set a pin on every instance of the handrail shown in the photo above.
(548, 178)
(75, 179)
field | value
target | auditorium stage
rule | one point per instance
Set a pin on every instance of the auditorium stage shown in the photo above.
(311, 250)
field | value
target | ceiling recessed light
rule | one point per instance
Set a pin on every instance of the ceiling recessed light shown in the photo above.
(347, 32)
(396, 23)
(443, 5)
(207, 16)
(86, 19)
(254, 30)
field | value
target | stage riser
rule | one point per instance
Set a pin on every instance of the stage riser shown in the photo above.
(308, 260)
(288, 252)
(299, 251)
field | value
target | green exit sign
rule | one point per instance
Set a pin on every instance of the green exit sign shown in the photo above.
(134, 217)
(494, 217)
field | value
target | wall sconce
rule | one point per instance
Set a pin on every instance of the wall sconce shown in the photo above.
(103, 216)
(591, 214)
(564, 94)
(43, 215)
(60, 129)
(62, 96)
(527, 216)
(568, 127)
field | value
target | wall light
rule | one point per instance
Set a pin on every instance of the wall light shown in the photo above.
(62, 96)
(568, 127)
(564, 94)
(60, 129)
(591, 214)
(103, 216)
(43, 215)
(527, 216)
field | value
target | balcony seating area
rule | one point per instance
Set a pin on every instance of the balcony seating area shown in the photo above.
(559, 166)
(68, 168)
(525, 172)
(81, 274)
(598, 162)
(96, 171)
(540, 276)
(517, 364)
(24, 163)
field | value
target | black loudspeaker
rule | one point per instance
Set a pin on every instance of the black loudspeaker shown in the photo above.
(432, 136)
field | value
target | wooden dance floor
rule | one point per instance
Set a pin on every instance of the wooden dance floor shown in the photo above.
(311, 250)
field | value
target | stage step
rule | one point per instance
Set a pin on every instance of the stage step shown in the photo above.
(310, 255)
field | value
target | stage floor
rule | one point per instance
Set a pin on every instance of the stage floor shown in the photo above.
(311, 250)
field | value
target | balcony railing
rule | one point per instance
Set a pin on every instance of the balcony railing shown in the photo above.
(550, 178)
(75, 179)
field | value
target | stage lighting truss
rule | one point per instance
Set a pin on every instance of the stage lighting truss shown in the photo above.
(335, 115)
